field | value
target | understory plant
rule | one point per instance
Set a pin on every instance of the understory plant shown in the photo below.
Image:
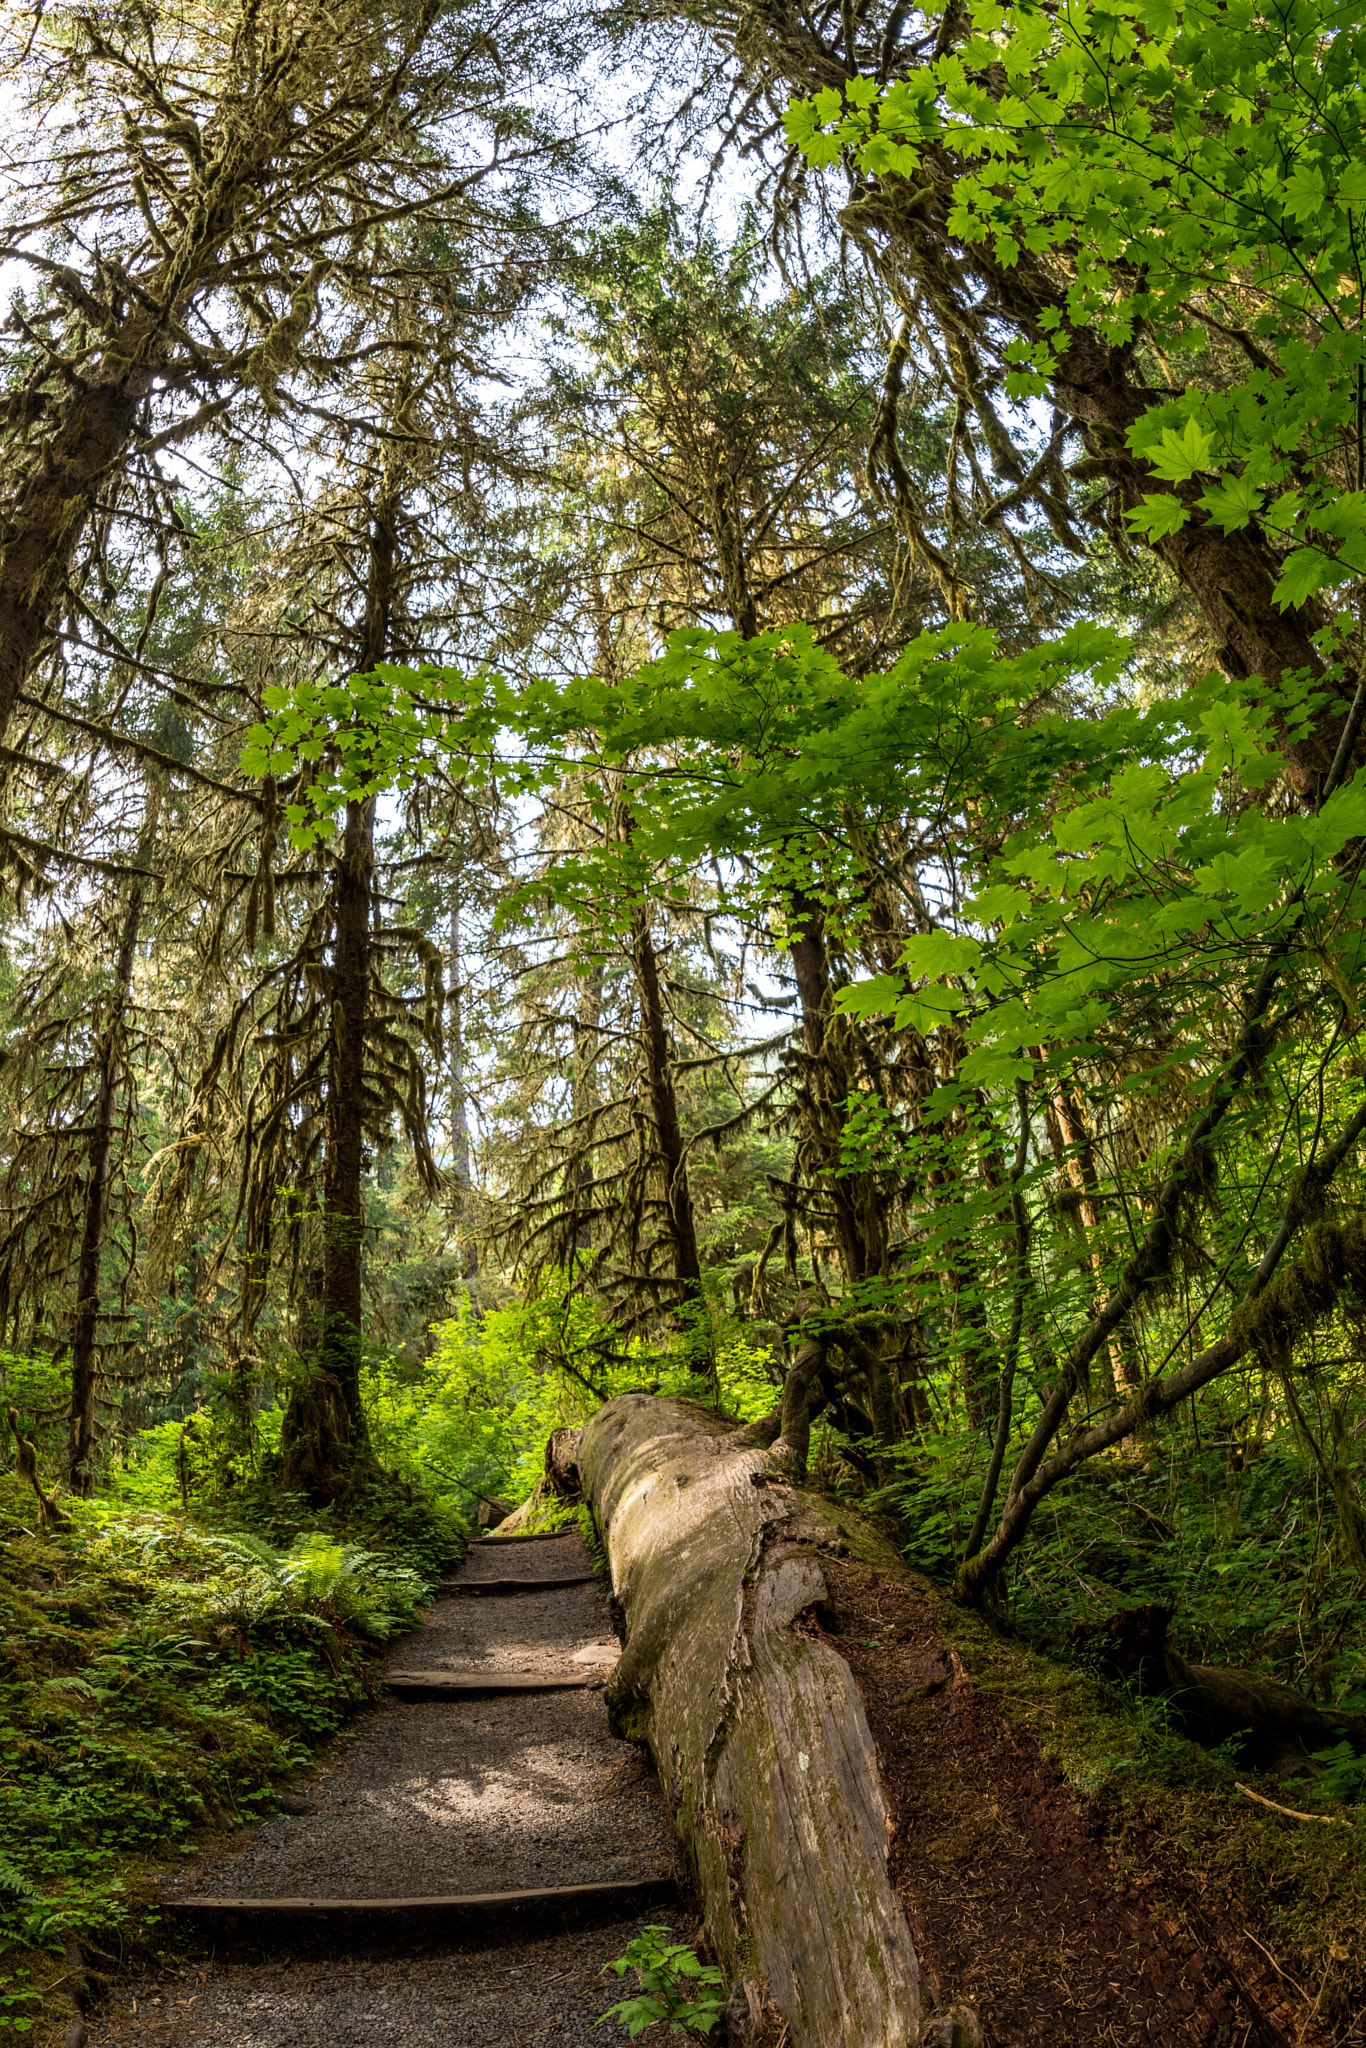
(675, 1985)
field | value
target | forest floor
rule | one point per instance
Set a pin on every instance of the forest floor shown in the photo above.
(1070, 1866)
(1071, 1884)
(432, 1798)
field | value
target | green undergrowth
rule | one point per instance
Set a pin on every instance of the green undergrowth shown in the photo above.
(162, 1672)
(476, 1415)
(1233, 1526)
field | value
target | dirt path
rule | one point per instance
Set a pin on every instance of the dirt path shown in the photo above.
(437, 1798)
(1014, 1904)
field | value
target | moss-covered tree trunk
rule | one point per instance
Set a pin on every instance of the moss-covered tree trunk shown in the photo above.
(109, 1070)
(324, 1427)
(343, 1191)
(756, 1726)
(662, 1097)
(324, 1433)
(828, 1076)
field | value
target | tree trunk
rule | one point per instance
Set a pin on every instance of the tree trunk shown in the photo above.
(827, 1081)
(50, 511)
(668, 1129)
(325, 1424)
(94, 416)
(460, 1107)
(343, 1196)
(460, 1110)
(586, 1093)
(1075, 1156)
(324, 1435)
(757, 1728)
(85, 1317)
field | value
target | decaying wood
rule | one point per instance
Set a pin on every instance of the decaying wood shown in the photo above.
(757, 1728)
(1212, 1702)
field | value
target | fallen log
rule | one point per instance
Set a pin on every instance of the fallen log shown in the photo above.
(757, 1729)
(1213, 1703)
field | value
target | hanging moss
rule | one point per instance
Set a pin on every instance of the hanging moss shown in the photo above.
(1332, 1261)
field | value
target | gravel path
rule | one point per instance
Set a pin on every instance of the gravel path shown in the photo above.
(436, 1798)
(474, 1992)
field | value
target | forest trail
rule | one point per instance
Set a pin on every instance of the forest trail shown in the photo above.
(438, 1798)
(1017, 1903)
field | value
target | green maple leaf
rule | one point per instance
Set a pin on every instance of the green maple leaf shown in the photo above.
(1179, 456)
(1232, 501)
(1159, 513)
(1305, 571)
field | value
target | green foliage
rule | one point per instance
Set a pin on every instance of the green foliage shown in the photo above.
(161, 1673)
(20, 2003)
(37, 1389)
(1230, 1525)
(474, 1420)
(1343, 1774)
(675, 1985)
(1152, 855)
(1171, 147)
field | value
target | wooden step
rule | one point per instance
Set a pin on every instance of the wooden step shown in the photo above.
(491, 1681)
(514, 1585)
(525, 1536)
(461, 1902)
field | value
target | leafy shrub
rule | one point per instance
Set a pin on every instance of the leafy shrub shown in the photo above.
(674, 1986)
(1343, 1774)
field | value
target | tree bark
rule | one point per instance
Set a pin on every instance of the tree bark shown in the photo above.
(757, 1728)
(343, 1195)
(460, 1109)
(325, 1423)
(50, 513)
(461, 1171)
(324, 1432)
(85, 1317)
(275, 108)
(826, 1086)
(587, 1025)
(668, 1129)
(94, 416)
(1073, 1151)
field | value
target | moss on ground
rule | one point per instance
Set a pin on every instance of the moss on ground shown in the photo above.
(160, 1677)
